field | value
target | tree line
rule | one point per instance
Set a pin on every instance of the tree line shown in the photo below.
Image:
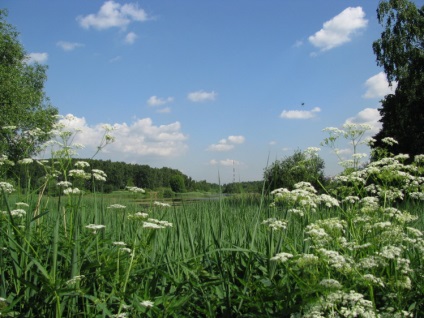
(119, 176)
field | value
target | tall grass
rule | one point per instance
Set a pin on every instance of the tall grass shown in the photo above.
(353, 250)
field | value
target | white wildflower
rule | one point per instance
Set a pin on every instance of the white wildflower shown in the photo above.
(95, 227)
(404, 283)
(99, 175)
(149, 225)
(81, 164)
(351, 199)
(374, 280)
(147, 303)
(390, 252)
(330, 283)
(19, 213)
(68, 191)
(389, 141)
(160, 222)
(328, 200)
(296, 211)
(275, 224)
(120, 243)
(65, 184)
(116, 206)
(307, 260)
(25, 161)
(19, 204)
(282, 257)
(79, 173)
(138, 215)
(136, 190)
(126, 249)
(74, 280)
(161, 204)
(419, 158)
(6, 187)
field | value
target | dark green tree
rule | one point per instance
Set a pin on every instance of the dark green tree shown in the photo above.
(298, 167)
(400, 51)
(177, 183)
(27, 116)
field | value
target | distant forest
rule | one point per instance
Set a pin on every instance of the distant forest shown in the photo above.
(121, 175)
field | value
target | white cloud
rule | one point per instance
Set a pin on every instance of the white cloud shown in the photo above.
(130, 38)
(229, 162)
(68, 46)
(165, 110)
(201, 96)
(140, 139)
(113, 14)
(225, 162)
(236, 139)
(369, 116)
(339, 29)
(37, 57)
(378, 86)
(158, 101)
(300, 114)
(226, 144)
(220, 147)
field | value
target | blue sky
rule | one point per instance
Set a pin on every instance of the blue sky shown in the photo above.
(206, 86)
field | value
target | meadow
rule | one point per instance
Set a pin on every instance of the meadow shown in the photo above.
(352, 249)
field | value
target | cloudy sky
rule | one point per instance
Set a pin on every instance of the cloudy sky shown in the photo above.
(206, 86)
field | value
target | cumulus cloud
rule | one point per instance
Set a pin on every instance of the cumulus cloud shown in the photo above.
(139, 139)
(226, 144)
(37, 58)
(369, 116)
(68, 46)
(235, 139)
(339, 30)
(113, 14)
(201, 96)
(224, 162)
(300, 114)
(130, 38)
(378, 86)
(158, 101)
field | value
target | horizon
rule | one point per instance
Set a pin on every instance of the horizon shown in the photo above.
(215, 90)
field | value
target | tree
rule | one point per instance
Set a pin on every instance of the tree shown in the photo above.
(177, 183)
(301, 166)
(400, 51)
(27, 116)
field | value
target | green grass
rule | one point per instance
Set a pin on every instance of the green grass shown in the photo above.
(297, 253)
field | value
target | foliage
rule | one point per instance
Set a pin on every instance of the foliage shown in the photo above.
(301, 166)
(27, 116)
(400, 51)
(243, 187)
(305, 255)
(177, 183)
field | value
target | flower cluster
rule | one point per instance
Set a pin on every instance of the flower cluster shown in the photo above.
(275, 224)
(117, 206)
(156, 224)
(161, 204)
(95, 227)
(135, 190)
